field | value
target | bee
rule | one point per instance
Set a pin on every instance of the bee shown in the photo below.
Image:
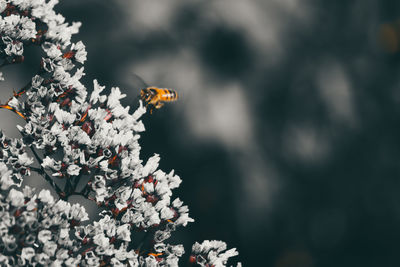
(156, 97)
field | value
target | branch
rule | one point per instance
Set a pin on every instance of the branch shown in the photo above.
(22, 90)
(45, 175)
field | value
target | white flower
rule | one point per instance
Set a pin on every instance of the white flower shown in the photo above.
(78, 212)
(16, 198)
(50, 248)
(45, 196)
(16, 49)
(42, 259)
(97, 89)
(48, 65)
(177, 203)
(184, 219)
(123, 232)
(151, 165)
(27, 253)
(115, 262)
(52, 50)
(64, 116)
(14, 103)
(57, 263)
(148, 188)
(51, 163)
(3, 5)
(73, 262)
(37, 81)
(211, 253)
(44, 236)
(5, 179)
(62, 254)
(80, 54)
(172, 261)
(91, 259)
(166, 213)
(124, 193)
(64, 233)
(178, 250)
(17, 27)
(31, 205)
(153, 219)
(151, 261)
(24, 160)
(101, 240)
(73, 169)
(114, 97)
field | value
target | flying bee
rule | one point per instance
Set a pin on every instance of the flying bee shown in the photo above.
(156, 97)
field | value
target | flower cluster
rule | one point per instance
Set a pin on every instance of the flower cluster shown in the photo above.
(91, 143)
(27, 22)
(36, 229)
(211, 254)
(12, 152)
(108, 241)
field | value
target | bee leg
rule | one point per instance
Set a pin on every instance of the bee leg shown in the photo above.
(159, 105)
(150, 107)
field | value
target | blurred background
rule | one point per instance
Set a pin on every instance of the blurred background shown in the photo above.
(286, 133)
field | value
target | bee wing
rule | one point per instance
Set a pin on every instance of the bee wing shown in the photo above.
(139, 81)
(138, 84)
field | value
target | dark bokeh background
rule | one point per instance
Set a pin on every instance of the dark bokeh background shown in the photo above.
(286, 131)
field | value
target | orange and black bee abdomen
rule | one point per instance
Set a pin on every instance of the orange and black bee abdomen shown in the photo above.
(168, 95)
(154, 94)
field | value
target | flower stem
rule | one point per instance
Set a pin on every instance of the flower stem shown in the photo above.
(45, 175)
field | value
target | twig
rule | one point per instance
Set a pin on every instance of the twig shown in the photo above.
(46, 176)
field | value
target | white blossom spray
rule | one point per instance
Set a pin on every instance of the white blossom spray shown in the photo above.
(73, 137)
